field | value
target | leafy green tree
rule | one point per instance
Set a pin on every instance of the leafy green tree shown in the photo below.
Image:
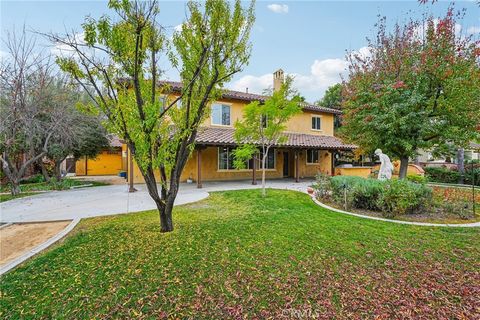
(84, 136)
(122, 79)
(417, 89)
(262, 126)
(333, 99)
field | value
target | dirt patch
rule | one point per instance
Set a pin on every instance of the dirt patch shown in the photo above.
(18, 239)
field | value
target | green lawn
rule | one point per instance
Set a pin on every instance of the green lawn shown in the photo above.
(29, 189)
(6, 197)
(235, 255)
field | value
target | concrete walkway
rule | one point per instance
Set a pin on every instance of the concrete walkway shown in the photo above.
(109, 200)
(114, 199)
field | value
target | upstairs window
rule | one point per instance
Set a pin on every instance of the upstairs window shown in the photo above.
(312, 156)
(221, 114)
(316, 123)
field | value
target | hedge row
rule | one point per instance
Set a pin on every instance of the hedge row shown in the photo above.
(445, 175)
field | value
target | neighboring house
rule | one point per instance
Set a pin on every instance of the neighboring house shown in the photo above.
(472, 152)
(109, 161)
(310, 147)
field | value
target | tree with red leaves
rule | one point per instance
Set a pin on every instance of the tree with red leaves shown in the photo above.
(418, 88)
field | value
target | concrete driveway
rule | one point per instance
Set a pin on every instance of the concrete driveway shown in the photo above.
(114, 199)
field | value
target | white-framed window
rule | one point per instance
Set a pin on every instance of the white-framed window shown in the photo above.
(312, 156)
(220, 114)
(270, 161)
(226, 158)
(316, 123)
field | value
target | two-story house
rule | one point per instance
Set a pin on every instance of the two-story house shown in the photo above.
(310, 147)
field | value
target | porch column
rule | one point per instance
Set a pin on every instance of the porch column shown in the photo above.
(297, 166)
(254, 175)
(130, 176)
(333, 163)
(199, 168)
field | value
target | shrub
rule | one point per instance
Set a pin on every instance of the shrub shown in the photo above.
(469, 178)
(322, 186)
(443, 175)
(416, 179)
(38, 178)
(361, 193)
(63, 184)
(342, 186)
(401, 197)
(365, 194)
(392, 198)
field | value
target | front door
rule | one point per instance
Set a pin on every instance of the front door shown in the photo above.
(286, 168)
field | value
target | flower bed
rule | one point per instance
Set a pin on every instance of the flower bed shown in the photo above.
(400, 199)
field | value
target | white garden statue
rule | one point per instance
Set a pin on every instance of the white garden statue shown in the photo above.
(386, 166)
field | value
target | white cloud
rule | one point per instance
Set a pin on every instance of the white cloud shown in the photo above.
(254, 84)
(323, 74)
(278, 8)
(421, 30)
(61, 50)
(3, 55)
(473, 30)
(178, 28)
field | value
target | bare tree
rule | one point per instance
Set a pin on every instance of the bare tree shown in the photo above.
(30, 111)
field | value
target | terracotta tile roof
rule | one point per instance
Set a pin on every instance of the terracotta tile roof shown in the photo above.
(243, 96)
(225, 136)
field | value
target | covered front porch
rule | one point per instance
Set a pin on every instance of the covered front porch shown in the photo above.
(215, 163)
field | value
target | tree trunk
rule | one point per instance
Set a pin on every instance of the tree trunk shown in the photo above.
(15, 189)
(45, 174)
(403, 167)
(264, 191)
(166, 221)
(460, 164)
(164, 203)
(58, 170)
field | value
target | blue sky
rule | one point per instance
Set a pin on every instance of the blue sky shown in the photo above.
(305, 38)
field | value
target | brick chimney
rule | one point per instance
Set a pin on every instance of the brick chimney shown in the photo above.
(278, 79)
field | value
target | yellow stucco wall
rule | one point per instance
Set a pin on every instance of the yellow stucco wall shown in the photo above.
(210, 171)
(300, 123)
(108, 162)
(412, 169)
(363, 172)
